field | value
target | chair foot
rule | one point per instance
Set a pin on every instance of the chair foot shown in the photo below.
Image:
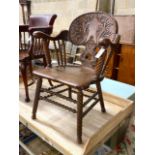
(27, 99)
(33, 116)
(102, 107)
(103, 110)
(79, 140)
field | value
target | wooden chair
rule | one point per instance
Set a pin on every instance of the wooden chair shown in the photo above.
(97, 31)
(30, 50)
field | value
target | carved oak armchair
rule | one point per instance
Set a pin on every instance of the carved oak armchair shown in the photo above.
(97, 31)
(30, 50)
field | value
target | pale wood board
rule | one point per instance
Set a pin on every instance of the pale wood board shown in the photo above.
(57, 126)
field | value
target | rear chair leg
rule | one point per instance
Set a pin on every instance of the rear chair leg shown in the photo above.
(100, 96)
(31, 69)
(50, 82)
(79, 116)
(23, 70)
(69, 92)
(36, 99)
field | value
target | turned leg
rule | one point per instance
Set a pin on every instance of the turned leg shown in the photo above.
(69, 92)
(100, 96)
(50, 82)
(23, 70)
(79, 116)
(36, 99)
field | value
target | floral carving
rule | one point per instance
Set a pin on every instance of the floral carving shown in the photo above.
(88, 29)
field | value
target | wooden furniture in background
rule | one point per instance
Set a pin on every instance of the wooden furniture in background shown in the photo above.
(122, 64)
(30, 49)
(126, 66)
(24, 57)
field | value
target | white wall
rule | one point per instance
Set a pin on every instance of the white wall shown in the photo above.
(66, 10)
(124, 7)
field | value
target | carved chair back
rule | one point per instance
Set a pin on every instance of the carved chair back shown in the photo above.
(94, 30)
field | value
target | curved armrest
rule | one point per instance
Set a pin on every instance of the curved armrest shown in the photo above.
(45, 29)
(40, 34)
(63, 35)
(113, 40)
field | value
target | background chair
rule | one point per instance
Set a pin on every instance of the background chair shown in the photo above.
(29, 49)
(96, 31)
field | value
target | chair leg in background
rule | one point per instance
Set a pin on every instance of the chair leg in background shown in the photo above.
(30, 66)
(100, 96)
(50, 82)
(79, 116)
(44, 62)
(36, 99)
(69, 92)
(23, 70)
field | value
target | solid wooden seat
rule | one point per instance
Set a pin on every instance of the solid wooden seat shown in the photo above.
(30, 49)
(78, 77)
(96, 31)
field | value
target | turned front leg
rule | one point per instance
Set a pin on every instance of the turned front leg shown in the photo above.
(69, 92)
(79, 116)
(100, 96)
(36, 99)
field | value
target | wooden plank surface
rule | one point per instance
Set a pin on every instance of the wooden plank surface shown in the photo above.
(57, 126)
